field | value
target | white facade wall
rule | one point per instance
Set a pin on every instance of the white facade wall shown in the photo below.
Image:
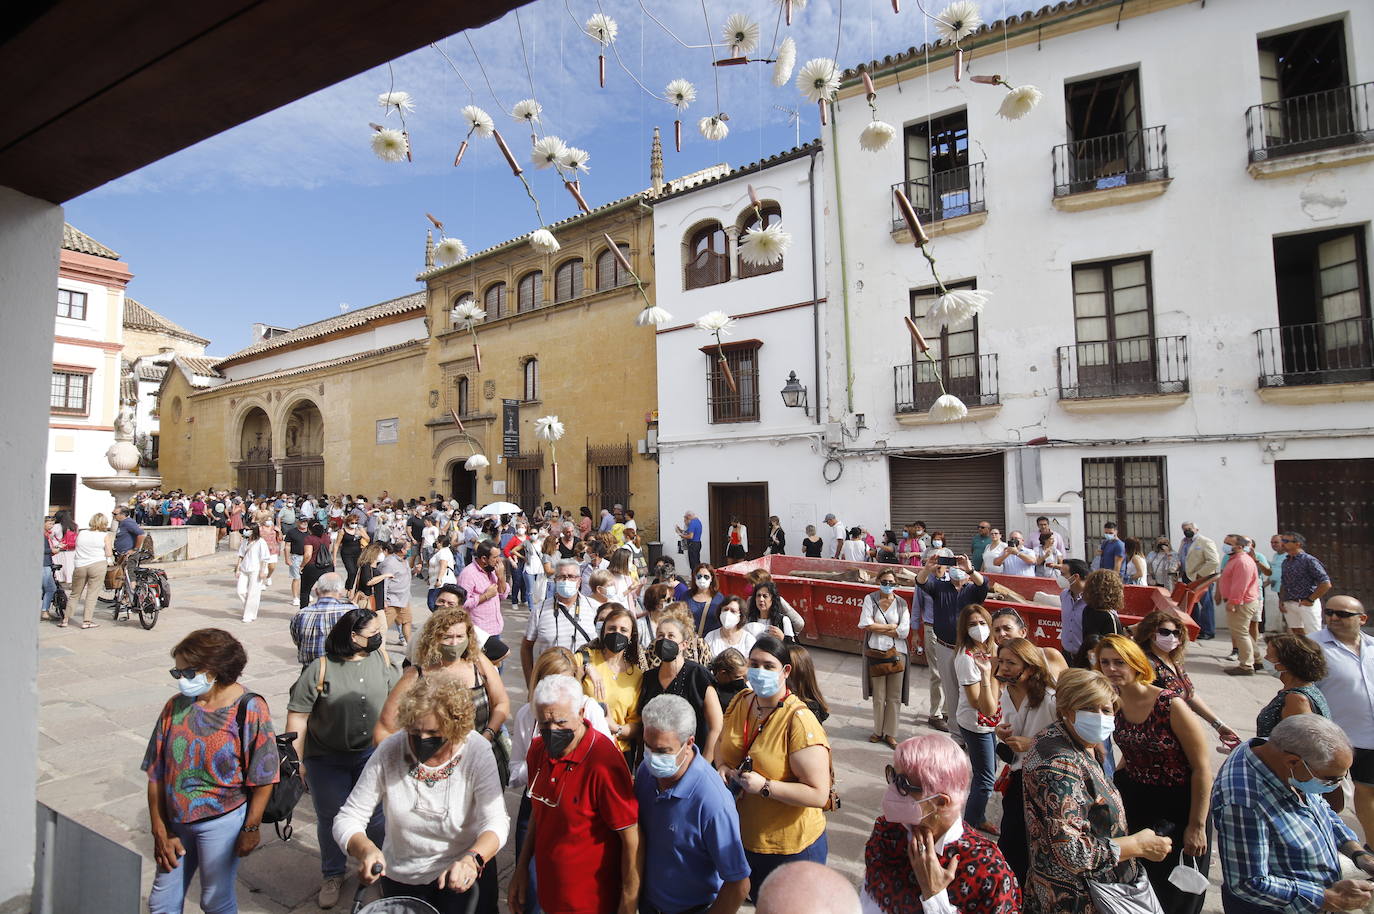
(331, 348)
(1210, 239)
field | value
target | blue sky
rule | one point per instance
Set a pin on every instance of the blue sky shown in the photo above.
(285, 218)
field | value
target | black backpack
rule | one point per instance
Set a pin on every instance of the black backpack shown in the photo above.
(287, 792)
(323, 558)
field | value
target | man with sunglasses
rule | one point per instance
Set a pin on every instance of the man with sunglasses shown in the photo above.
(1305, 582)
(1349, 691)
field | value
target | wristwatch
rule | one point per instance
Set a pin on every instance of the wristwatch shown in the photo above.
(253, 828)
(481, 861)
(764, 791)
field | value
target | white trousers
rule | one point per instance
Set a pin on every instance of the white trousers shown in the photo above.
(250, 594)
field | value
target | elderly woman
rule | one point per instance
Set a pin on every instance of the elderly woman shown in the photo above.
(1164, 774)
(93, 553)
(885, 621)
(1299, 663)
(731, 633)
(209, 776)
(1027, 708)
(774, 755)
(979, 709)
(676, 675)
(439, 788)
(1075, 820)
(334, 706)
(1164, 639)
(920, 856)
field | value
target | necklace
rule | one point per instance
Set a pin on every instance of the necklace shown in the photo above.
(431, 776)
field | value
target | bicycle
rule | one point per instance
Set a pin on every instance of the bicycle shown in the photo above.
(144, 591)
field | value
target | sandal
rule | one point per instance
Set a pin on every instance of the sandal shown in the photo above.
(90, 624)
(891, 741)
(63, 624)
(874, 738)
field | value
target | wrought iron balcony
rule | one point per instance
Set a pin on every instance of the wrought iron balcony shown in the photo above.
(1140, 366)
(1307, 123)
(971, 378)
(1115, 160)
(943, 195)
(1332, 353)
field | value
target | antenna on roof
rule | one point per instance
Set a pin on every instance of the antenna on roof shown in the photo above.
(793, 118)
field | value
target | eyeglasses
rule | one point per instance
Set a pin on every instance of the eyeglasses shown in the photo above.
(1166, 631)
(539, 794)
(1340, 613)
(903, 784)
(1284, 540)
(1328, 780)
(187, 673)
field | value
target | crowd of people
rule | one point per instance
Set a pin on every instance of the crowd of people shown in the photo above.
(673, 754)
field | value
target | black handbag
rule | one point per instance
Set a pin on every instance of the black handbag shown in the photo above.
(287, 792)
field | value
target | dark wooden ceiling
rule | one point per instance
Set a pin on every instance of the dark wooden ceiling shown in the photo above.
(99, 88)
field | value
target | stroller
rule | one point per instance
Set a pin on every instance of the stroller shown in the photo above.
(402, 904)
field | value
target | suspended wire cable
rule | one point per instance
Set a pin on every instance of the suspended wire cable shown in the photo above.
(485, 77)
(442, 53)
(715, 71)
(529, 74)
(673, 35)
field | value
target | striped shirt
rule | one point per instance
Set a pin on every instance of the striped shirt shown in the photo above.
(312, 625)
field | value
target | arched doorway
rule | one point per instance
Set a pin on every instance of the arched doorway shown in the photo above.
(462, 484)
(303, 466)
(255, 470)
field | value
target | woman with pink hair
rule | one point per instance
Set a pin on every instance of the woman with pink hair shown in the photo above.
(920, 847)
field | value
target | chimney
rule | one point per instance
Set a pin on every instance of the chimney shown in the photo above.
(656, 165)
(429, 249)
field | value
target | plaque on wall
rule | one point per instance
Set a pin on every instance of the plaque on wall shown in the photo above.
(510, 428)
(388, 431)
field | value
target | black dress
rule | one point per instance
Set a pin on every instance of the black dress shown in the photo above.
(1096, 623)
(378, 590)
(777, 541)
(691, 683)
(812, 549)
(350, 547)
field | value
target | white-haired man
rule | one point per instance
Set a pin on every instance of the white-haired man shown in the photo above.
(807, 886)
(312, 624)
(566, 618)
(693, 857)
(584, 833)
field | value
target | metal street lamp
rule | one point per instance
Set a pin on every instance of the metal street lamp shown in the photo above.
(793, 393)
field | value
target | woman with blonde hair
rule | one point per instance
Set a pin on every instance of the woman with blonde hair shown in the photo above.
(370, 590)
(1027, 708)
(94, 553)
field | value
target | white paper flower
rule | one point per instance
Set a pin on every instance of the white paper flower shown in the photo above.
(741, 33)
(389, 145)
(449, 250)
(468, 311)
(819, 79)
(764, 247)
(713, 128)
(548, 428)
(542, 240)
(602, 29)
(476, 462)
(716, 322)
(548, 151)
(479, 121)
(1019, 102)
(653, 315)
(575, 158)
(680, 93)
(527, 110)
(948, 408)
(786, 60)
(958, 19)
(877, 135)
(396, 101)
(957, 306)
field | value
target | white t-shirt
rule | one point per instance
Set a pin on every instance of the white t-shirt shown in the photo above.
(854, 551)
(716, 643)
(967, 672)
(443, 555)
(838, 533)
(534, 558)
(90, 548)
(547, 627)
(1027, 721)
(759, 629)
(430, 536)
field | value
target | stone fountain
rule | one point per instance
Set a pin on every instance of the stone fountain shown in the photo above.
(123, 457)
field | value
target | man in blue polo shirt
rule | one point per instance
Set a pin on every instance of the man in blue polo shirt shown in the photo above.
(950, 589)
(128, 534)
(693, 859)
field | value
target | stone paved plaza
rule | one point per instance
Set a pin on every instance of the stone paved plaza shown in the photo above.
(101, 690)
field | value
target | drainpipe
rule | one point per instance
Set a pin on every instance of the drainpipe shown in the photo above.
(815, 287)
(844, 266)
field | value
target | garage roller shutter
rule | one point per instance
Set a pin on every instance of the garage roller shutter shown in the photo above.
(949, 493)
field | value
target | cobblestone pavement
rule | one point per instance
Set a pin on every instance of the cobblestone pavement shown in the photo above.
(101, 689)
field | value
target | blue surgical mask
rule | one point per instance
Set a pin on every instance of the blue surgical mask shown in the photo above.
(1226, 548)
(1093, 726)
(661, 764)
(957, 575)
(567, 589)
(196, 685)
(887, 588)
(765, 683)
(1312, 786)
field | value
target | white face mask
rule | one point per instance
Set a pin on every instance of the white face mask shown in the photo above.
(703, 582)
(979, 632)
(938, 544)
(729, 619)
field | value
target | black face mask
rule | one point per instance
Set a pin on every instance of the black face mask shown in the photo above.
(556, 742)
(666, 650)
(728, 690)
(424, 747)
(372, 643)
(615, 642)
(1188, 534)
(1007, 680)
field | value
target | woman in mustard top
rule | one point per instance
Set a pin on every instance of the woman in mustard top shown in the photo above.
(774, 756)
(613, 676)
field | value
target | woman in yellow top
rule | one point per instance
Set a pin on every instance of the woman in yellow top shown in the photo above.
(774, 756)
(613, 676)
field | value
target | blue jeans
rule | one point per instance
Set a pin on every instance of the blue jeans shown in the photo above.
(531, 582)
(522, 828)
(331, 779)
(1206, 615)
(209, 848)
(49, 587)
(761, 865)
(979, 747)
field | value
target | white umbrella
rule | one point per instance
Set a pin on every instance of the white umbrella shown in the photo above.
(500, 507)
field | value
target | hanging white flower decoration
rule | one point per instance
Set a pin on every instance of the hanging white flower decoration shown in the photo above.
(527, 110)
(575, 159)
(785, 62)
(958, 20)
(476, 462)
(764, 247)
(449, 251)
(1019, 102)
(819, 79)
(548, 151)
(468, 311)
(713, 127)
(602, 29)
(389, 145)
(680, 93)
(741, 33)
(653, 315)
(957, 306)
(877, 135)
(549, 428)
(948, 408)
(396, 101)
(542, 240)
(716, 322)
(478, 121)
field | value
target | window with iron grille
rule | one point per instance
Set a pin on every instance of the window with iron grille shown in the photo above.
(567, 280)
(495, 301)
(707, 258)
(608, 475)
(1132, 491)
(454, 321)
(71, 392)
(71, 304)
(531, 389)
(609, 272)
(530, 291)
(740, 404)
(464, 405)
(750, 222)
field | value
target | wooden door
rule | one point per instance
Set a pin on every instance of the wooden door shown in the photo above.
(747, 501)
(1331, 503)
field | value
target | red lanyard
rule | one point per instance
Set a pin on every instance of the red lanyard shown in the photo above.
(748, 737)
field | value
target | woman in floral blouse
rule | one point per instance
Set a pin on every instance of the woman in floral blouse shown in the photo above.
(1074, 817)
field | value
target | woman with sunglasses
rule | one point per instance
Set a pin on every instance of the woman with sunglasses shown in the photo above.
(920, 853)
(1164, 639)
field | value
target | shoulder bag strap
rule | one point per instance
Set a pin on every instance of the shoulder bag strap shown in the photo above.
(571, 618)
(241, 720)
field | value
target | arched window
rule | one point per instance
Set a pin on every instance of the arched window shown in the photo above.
(464, 403)
(495, 301)
(750, 222)
(458, 299)
(609, 272)
(530, 291)
(567, 281)
(707, 262)
(531, 391)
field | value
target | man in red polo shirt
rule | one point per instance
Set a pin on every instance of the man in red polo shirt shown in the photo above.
(584, 832)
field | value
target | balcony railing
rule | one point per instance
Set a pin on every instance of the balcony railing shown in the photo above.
(1140, 366)
(943, 195)
(1332, 353)
(1115, 160)
(1306, 123)
(971, 378)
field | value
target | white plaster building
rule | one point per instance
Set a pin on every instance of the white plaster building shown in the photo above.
(1180, 321)
(724, 452)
